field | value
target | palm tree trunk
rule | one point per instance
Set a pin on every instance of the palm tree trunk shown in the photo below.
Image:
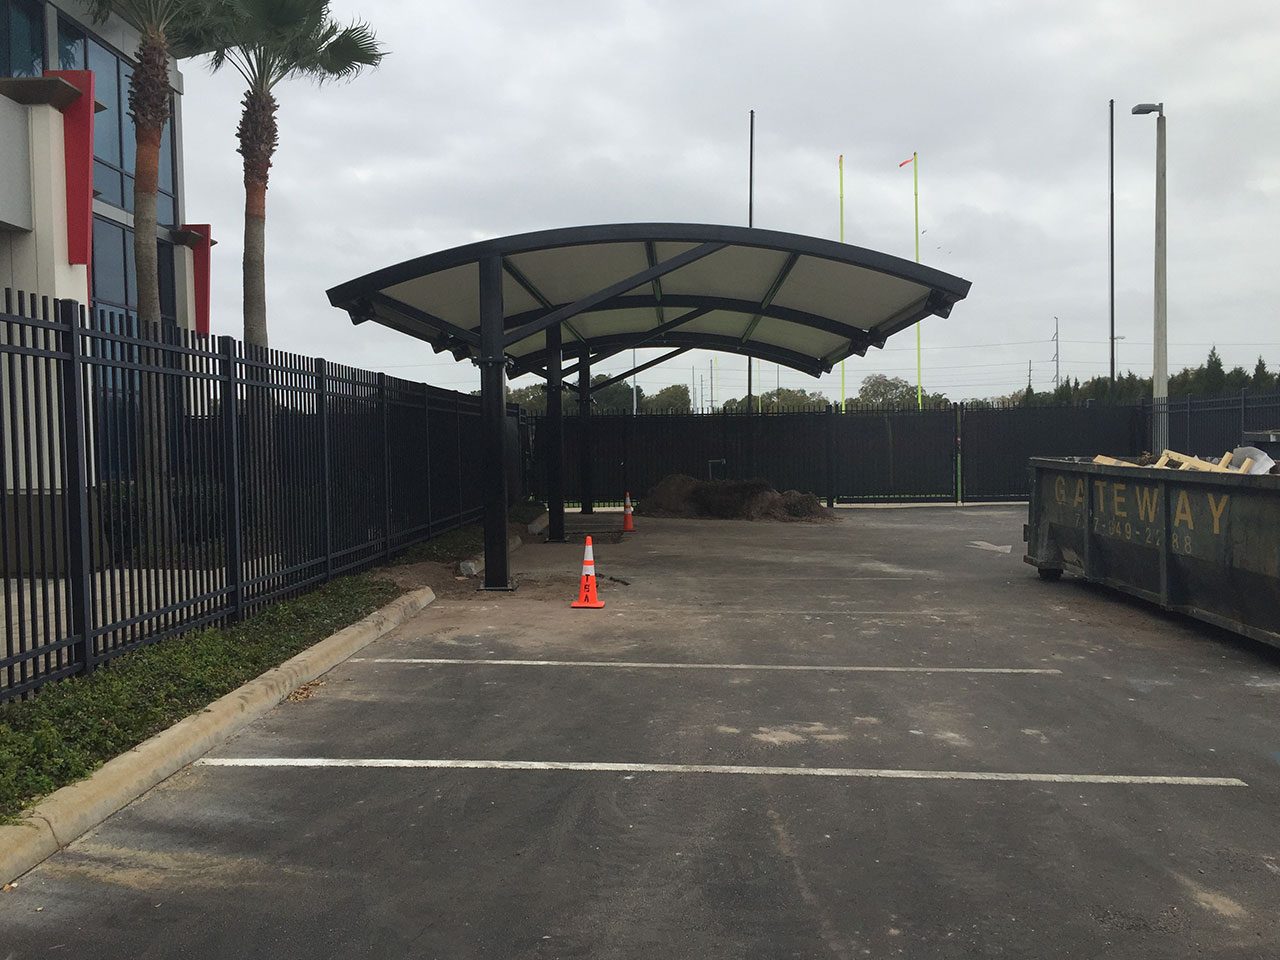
(149, 105)
(255, 267)
(258, 136)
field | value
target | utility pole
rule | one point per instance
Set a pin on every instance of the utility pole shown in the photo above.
(751, 216)
(1057, 353)
(1111, 247)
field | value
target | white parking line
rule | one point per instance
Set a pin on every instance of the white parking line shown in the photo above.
(731, 769)
(709, 609)
(643, 665)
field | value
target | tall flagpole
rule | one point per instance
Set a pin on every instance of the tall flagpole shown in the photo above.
(915, 177)
(841, 166)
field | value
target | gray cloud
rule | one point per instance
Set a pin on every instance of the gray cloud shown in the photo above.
(492, 118)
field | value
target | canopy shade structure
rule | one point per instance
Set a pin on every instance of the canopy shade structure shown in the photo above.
(803, 302)
(519, 304)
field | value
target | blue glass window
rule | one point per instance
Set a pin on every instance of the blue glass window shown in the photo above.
(115, 278)
(166, 210)
(71, 54)
(21, 39)
(115, 137)
(129, 134)
(106, 89)
(168, 294)
(106, 182)
(166, 154)
(109, 277)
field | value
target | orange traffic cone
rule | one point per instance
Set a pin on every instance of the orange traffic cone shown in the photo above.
(587, 595)
(628, 525)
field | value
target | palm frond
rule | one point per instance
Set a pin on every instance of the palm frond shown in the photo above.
(268, 41)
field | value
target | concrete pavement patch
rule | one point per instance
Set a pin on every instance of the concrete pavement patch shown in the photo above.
(67, 813)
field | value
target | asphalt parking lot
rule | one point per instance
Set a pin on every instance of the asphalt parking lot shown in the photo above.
(879, 737)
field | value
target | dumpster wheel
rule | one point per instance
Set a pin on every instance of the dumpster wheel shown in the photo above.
(1049, 573)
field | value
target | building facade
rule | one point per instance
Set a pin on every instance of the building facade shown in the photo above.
(66, 168)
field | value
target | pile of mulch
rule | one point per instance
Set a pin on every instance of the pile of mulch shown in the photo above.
(678, 495)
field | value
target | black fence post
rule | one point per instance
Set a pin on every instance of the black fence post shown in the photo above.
(1244, 401)
(1186, 447)
(426, 450)
(76, 485)
(326, 482)
(231, 477)
(958, 453)
(386, 466)
(829, 425)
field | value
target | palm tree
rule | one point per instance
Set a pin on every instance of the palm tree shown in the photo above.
(268, 41)
(158, 22)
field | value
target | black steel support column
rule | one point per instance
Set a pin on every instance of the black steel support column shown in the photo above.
(554, 426)
(830, 437)
(493, 415)
(584, 435)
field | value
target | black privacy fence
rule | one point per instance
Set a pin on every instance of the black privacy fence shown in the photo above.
(953, 453)
(154, 484)
(1209, 426)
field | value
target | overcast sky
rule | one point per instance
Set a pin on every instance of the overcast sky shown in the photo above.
(491, 118)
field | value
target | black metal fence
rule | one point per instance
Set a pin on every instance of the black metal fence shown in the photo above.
(955, 453)
(1209, 426)
(153, 484)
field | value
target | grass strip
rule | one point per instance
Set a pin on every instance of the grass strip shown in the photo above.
(70, 728)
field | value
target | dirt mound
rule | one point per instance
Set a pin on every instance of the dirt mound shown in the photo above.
(678, 495)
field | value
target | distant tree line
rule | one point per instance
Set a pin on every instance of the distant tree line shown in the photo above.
(1210, 379)
(615, 398)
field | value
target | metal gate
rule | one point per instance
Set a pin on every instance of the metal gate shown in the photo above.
(951, 454)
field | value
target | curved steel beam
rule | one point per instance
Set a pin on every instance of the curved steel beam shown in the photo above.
(856, 335)
(954, 288)
(700, 341)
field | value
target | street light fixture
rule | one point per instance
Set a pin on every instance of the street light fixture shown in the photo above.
(1160, 371)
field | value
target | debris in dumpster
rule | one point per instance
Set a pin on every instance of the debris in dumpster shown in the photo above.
(1241, 460)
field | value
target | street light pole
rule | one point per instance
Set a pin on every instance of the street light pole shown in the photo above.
(1160, 356)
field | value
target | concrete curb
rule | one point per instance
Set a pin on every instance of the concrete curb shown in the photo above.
(475, 566)
(539, 525)
(67, 813)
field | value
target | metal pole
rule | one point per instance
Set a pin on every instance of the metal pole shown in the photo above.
(1111, 245)
(1160, 379)
(915, 185)
(326, 475)
(384, 409)
(751, 174)
(751, 208)
(584, 436)
(76, 483)
(493, 415)
(840, 164)
(554, 425)
(1057, 356)
(234, 510)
